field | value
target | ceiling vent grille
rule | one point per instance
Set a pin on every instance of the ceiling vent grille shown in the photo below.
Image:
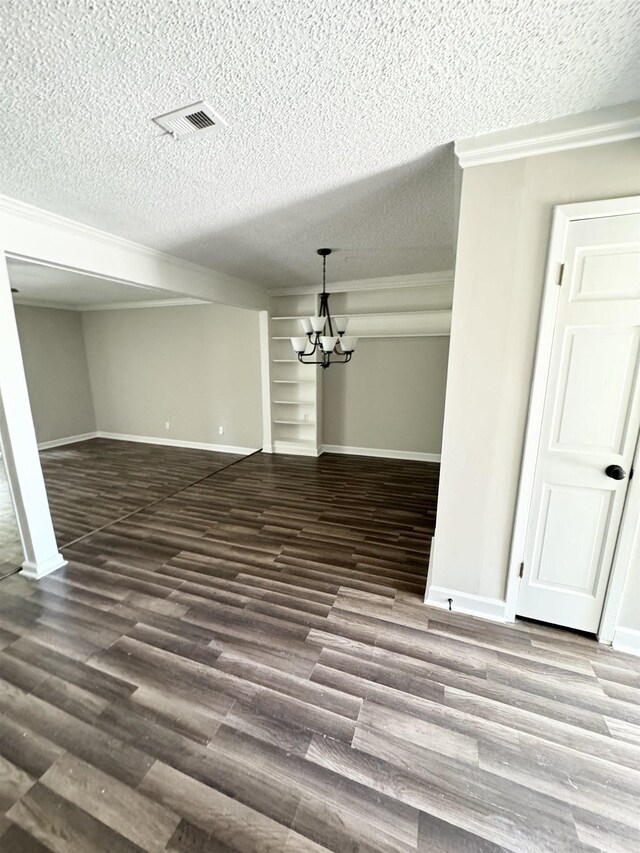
(196, 118)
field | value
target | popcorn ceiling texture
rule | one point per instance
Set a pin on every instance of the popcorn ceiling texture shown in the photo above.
(339, 115)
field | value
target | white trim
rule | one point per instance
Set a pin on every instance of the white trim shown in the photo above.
(443, 278)
(628, 539)
(106, 306)
(380, 452)
(174, 442)
(265, 381)
(35, 571)
(69, 439)
(39, 303)
(464, 602)
(152, 303)
(627, 640)
(19, 443)
(144, 439)
(562, 217)
(293, 448)
(611, 124)
(37, 214)
(38, 236)
(432, 550)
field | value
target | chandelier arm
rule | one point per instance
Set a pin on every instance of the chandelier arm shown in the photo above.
(345, 360)
(323, 358)
(327, 358)
(301, 358)
(315, 343)
(329, 316)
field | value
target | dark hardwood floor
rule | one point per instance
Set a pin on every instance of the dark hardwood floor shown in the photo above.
(94, 483)
(247, 665)
(11, 555)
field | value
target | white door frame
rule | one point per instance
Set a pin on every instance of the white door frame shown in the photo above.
(563, 216)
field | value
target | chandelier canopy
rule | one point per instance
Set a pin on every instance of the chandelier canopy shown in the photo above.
(321, 344)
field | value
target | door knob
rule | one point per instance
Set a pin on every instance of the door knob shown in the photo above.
(615, 472)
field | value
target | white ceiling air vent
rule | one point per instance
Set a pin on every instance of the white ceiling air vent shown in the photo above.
(196, 118)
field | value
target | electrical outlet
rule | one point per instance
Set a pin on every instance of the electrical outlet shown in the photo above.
(220, 430)
(167, 425)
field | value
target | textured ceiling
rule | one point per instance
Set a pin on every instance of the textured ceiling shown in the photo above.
(42, 285)
(339, 112)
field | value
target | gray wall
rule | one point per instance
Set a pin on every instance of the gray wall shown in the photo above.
(55, 365)
(390, 396)
(197, 367)
(505, 222)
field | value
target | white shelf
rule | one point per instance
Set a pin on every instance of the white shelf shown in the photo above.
(284, 360)
(300, 317)
(373, 314)
(397, 324)
(405, 335)
(294, 402)
(290, 381)
(296, 446)
(294, 422)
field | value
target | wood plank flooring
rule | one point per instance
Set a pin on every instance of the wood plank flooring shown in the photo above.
(94, 483)
(11, 555)
(247, 665)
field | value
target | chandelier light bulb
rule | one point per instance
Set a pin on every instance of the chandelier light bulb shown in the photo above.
(328, 342)
(299, 344)
(348, 343)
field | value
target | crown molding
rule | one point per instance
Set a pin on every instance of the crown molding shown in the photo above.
(41, 303)
(155, 303)
(23, 210)
(611, 124)
(427, 279)
(115, 306)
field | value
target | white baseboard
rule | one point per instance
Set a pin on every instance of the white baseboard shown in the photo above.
(174, 442)
(145, 439)
(35, 571)
(432, 560)
(627, 640)
(69, 439)
(293, 448)
(386, 454)
(464, 602)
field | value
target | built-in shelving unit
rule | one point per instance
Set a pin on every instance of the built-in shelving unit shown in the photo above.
(294, 386)
(410, 306)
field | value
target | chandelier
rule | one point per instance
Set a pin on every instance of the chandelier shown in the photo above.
(319, 344)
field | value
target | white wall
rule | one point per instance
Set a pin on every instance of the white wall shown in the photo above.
(55, 365)
(197, 367)
(504, 230)
(390, 396)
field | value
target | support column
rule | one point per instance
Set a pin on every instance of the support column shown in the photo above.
(21, 448)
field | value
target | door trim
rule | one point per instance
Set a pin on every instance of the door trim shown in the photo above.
(563, 216)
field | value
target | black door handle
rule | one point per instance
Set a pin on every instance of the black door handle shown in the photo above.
(615, 472)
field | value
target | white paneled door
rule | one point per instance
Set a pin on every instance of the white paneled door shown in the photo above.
(590, 426)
